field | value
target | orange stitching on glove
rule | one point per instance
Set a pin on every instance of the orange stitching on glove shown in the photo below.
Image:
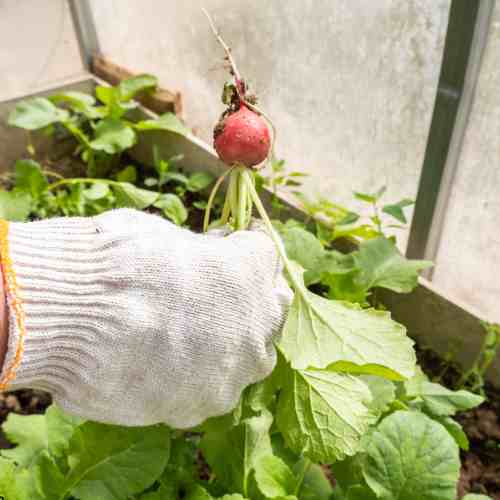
(14, 301)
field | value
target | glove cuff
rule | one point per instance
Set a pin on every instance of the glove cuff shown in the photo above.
(52, 272)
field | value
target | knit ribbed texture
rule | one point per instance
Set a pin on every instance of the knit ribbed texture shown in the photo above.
(132, 320)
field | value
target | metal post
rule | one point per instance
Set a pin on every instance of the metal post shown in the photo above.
(466, 38)
(83, 20)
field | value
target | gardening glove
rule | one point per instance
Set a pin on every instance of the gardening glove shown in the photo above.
(128, 319)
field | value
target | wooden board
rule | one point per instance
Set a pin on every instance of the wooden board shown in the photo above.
(162, 101)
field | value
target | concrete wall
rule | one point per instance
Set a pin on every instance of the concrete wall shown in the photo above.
(37, 46)
(468, 259)
(350, 84)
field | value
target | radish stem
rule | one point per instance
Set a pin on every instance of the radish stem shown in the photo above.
(298, 286)
(242, 200)
(206, 218)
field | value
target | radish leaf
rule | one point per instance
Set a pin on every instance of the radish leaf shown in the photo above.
(321, 332)
(413, 457)
(323, 414)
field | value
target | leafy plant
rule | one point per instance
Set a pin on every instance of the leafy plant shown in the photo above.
(277, 180)
(99, 125)
(474, 377)
(333, 221)
(345, 392)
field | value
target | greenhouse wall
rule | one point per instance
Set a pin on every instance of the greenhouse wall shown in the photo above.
(38, 46)
(349, 84)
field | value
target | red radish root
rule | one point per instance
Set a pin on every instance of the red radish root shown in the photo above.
(242, 137)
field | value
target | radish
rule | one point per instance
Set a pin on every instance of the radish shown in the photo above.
(242, 137)
(243, 141)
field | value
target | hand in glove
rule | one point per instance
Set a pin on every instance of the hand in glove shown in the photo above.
(128, 319)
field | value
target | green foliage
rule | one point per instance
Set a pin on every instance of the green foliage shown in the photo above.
(172, 207)
(58, 456)
(411, 456)
(473, 378)
(101, 130)
(323, 414)
(37, 113)
(345, 368)
(14, 205)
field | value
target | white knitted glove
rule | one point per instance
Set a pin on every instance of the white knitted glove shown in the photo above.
(132, 320)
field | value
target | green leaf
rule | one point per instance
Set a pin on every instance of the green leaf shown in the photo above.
(319, 332)
(349, 218)
(323, 414)
(363, 231)
(360, 492)
(396, 209)
(174, 176)
(113, 463)
(79, 103)
(97, 191)
(167, 121)
(36, 113)
(132, 86)
(29, 433)
(348, 472)
(303, 247)
(115, 107)
(455, 430)
(15, 206)
(197, 492)
(128, 174)
(113, 136)
(438, 400)
(173, 208)
(274, 478)
(413, 457)
(8, 486)
(370, 198)
(234, 453)
(60, 429)
(383, 393)
(199, 181)
(127, 195)
(150, 181)
(315, 485)
(48, 476)
(29, 178)
(382, 265)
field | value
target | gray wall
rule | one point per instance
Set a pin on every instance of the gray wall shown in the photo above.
(350, 84)
(468, 260)
(37, 46)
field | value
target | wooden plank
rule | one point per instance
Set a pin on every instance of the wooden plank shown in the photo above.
(439, 321)
(162, 101)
